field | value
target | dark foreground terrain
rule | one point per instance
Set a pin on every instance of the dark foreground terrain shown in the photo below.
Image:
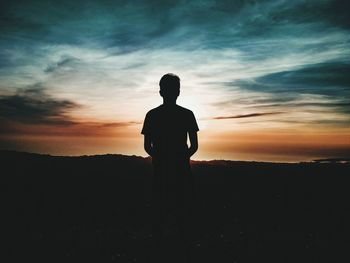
(97, 209)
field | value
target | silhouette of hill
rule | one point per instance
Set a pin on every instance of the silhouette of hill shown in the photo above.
(97, 209)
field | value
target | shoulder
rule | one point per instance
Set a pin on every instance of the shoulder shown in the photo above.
(153, 111)
(190, 119)
(184, 110)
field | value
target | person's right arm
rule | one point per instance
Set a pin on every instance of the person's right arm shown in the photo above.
(193, 141)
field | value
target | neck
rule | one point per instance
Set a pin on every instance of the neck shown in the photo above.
(169, 102)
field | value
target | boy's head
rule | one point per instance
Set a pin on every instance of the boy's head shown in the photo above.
(169, 86)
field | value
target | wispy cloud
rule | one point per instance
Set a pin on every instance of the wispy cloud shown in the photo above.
(61, 63)
(120, 124)
(256, 114)
(323, 78)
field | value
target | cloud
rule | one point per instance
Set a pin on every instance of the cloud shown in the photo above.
(256, 114)
(322, 87)
(34, 105)
(152, 24)
(120, 124)
(31, 111)
(338, 106)
(61, 63)
(322, 78)
(10, 128)
(334, 74)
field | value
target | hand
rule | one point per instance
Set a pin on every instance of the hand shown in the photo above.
(152, 152)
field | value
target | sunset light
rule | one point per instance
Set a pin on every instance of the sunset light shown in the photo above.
(263, 86)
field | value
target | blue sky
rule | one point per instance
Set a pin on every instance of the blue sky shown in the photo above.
(71, 67)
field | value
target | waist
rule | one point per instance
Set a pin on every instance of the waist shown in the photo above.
(171, 149)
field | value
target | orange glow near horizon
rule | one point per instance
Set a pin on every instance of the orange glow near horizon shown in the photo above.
(260, 144)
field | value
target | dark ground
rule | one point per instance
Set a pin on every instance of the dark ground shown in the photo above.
(97, 209)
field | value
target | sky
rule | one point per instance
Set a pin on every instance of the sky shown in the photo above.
(266, 80)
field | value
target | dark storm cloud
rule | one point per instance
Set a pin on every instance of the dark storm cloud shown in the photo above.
(34, 106)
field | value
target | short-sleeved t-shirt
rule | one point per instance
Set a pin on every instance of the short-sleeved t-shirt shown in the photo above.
(167, 126)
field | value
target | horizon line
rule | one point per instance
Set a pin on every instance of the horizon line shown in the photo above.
(322, 160)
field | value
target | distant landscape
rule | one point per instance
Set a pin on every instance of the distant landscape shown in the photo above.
(97, 209)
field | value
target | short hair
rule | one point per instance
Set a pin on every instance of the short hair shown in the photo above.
(169, 80)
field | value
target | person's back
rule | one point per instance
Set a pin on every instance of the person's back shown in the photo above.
(168, 126)
(165, 131)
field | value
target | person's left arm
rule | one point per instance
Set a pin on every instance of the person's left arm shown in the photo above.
(192, 134)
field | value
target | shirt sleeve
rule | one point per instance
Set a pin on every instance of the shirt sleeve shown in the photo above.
(192, 124)
(146, 129)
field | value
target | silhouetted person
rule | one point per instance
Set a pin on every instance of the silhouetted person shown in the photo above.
(165, 132)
